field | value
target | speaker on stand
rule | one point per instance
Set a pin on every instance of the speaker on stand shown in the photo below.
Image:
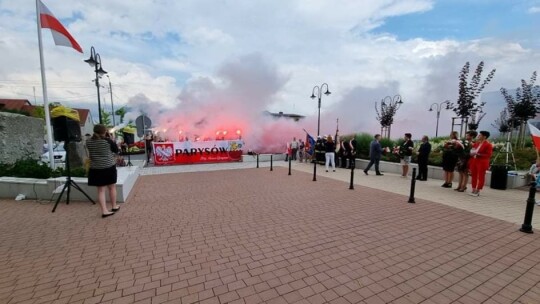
(129, 139)
(67, 130)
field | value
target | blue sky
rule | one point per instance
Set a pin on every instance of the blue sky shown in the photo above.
(186, 58)
(465, 20)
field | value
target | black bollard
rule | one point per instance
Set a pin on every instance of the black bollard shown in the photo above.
(413, 184)
(527, 226)
(315, 168)
(257, 160)
(290, 165)
(351, 186)
(271, 162)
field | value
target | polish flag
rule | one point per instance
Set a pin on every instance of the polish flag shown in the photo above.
(60, 35)
(535, 133)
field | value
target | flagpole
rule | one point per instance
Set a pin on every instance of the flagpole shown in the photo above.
(44, 85)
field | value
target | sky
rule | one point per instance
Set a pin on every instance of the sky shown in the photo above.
(202, 66)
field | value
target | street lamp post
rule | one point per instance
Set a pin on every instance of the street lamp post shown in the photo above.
(391, 105)
(95, 62)
(112, 103)
(438, 106)
(318, 91)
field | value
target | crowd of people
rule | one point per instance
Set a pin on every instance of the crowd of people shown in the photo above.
(469, 156)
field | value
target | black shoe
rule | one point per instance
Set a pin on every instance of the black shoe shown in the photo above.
(106, 215)
(326, 170)
(115, 209)
(379, 174)
(365, 172)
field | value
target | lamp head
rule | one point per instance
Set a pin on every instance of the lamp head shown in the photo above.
(91, 61)
(101, 71)
(327, 92)
(430, 109)
(312, 96)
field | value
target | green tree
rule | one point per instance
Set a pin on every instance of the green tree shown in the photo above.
(106, 118)
(524, 105)
(467, 107)
(121, 112)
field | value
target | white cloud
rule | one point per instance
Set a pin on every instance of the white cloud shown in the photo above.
(534, 10)
(166, 52)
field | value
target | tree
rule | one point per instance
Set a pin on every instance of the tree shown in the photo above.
(121, 112)
(524, 105)
(105, 118)
(502, 123)
(467, 107)
(386, 115)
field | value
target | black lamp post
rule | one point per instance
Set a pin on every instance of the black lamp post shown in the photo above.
(318, 91)
(438, 106)
(391, 104)
(95, 62)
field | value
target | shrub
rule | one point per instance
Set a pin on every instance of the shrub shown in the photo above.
(31, 168)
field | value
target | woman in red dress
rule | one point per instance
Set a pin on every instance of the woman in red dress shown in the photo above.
(479, 162)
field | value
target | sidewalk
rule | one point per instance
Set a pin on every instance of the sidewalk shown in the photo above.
(255, 236)
(508, 205)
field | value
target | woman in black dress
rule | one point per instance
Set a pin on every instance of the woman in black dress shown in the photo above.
(451, 151)
(102, 172)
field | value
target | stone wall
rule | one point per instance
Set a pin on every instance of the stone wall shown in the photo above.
(20, 137)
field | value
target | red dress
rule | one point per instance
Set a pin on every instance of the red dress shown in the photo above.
(479, 163)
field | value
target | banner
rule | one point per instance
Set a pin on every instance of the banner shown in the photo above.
(187, 152)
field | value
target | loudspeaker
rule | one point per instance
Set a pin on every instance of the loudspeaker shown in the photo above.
(499, 177)
(129, 138)
(66, 129)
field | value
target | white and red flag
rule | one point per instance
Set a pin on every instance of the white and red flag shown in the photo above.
(60, 35)
(535, 134)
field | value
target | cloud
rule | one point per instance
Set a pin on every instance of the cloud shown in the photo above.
(534, 10)
(181, 59)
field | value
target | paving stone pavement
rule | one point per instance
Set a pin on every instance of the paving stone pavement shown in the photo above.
(255, 236)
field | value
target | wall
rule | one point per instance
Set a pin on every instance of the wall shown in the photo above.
(20, 136)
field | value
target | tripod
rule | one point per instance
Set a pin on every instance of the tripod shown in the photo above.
(129, 164)
(69, 182)
(507, 150)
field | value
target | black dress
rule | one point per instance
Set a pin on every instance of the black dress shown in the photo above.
(450, 158)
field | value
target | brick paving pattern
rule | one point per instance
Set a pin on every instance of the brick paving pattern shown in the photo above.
(254, 236)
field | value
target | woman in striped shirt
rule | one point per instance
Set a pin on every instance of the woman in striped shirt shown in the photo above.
(102, 172)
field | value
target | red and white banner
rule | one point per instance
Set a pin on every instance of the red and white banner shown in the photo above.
(187, 152)
(535, 133)
(61, 36)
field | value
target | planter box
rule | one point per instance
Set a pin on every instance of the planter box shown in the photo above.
(44, 189)
(515, 179)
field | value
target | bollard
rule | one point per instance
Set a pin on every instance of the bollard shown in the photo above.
(413, 183)
(351, 186)
(257, 160)
(315, 168)
(527, 226)
(290, 165)
(271, 162)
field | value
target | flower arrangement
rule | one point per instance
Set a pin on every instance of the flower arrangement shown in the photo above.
(453, 145)
(398, 151)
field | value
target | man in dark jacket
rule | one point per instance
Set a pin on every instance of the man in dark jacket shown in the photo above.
(423, 156)
(375, 152)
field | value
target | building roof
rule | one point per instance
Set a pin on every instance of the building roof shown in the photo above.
(26, 106)
(83, 115)
(14, 104)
